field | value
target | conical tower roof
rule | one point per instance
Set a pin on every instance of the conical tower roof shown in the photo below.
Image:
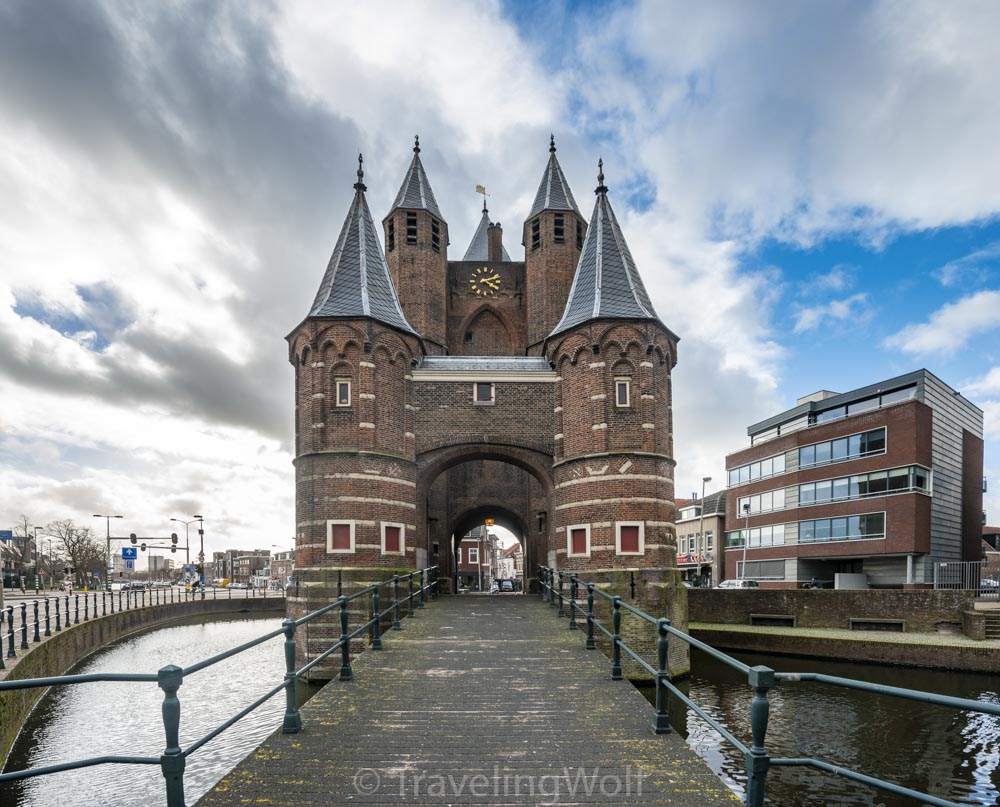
(607, 283)
(357, 282)
(553, 191)
(479, 249)
(415, 193)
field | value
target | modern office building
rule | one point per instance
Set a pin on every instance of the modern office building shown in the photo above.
(870, 487)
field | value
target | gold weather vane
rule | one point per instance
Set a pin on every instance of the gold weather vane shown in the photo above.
(482, 189)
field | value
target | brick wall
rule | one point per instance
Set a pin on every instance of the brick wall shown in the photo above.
(497, 322)
(921, 610)
(549, 272)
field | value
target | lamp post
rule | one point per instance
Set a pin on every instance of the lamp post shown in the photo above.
(746, 541)
(35, 541)
(187, 537)
(701, 523)
(107, 523)
(201, 553)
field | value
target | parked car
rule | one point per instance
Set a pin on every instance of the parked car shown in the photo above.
(738, 584)
(506, 585)
(989, 586)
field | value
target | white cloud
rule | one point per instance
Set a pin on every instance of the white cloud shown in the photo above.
(970, 269)
(988, 385)
(950, 327)
(854, 310)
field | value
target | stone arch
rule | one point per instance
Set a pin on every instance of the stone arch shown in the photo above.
(430, 464)
(492, 334)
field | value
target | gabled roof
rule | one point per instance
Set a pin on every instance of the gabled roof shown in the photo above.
(607, 283)
(357, 282)
(553, 191)
(479, 249)
(415, 193)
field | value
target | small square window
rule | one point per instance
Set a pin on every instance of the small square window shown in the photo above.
(578, 541)
(343, 391)
(630, 537)
(623, 393)
(468, 337)
(340, 536)
(484, 392)
(393, 538)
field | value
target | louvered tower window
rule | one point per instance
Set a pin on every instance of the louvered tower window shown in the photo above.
(435, 235)
(391, 237)
(411, 228)
(536, 236)
(579, 234)
(559, 229)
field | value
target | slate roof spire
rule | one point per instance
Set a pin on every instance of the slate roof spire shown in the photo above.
(357, 282)
(479, 247)
(607, 283)
(553, 191)
(415, 193)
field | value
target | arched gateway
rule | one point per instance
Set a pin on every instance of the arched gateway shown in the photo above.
(431, 393)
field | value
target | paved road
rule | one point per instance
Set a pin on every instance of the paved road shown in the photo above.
(479, 700)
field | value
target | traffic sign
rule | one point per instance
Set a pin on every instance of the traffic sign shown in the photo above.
(130, 553)
(6, 535)
(95, 574)
(129, 565)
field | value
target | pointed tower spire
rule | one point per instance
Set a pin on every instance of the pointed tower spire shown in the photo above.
(553, 191)
(415, 193)
(356, 282)
(607, 283)
(479, 248)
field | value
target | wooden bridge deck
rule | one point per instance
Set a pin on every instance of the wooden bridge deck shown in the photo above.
(478, 700)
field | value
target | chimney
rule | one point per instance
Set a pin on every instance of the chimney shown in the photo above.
(494, 250)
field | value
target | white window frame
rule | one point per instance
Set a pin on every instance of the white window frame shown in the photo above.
(329, 535)
(642, 537)
(627, 381)
(337, 382)
(402, 537)
(475, 393)
(474, 558)
(569, 541)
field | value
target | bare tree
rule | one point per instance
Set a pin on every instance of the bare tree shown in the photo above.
(84, 551)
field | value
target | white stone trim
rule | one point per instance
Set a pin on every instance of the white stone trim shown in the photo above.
(365, 425)
(625, 500)
(600, 396)
(364, 363)
(372, 477)
(569, 541)
(368, 396)
(369, 500)
(559, 436)
(649, 425)
(329, 535)
(318, 425)
(317, 364)
(599, 427)
(618, 537)
(507, 376)
(402, 537)
(317, 395)
(596, 364)
(558, 409)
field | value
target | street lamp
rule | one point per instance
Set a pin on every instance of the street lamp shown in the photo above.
(35, 530)
(746, 541)
(187, 537)
(107, 522)
(701, 525)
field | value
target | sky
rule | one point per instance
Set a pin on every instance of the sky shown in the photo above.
(811, 193)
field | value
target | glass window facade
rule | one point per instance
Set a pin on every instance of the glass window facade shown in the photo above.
(843, 448)
(757, 470)
(761, 570)
(860, 486)
(759, 536)
(871, 525)
(761, 503)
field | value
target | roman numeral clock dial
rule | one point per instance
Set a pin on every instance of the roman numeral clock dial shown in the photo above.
(484, 282)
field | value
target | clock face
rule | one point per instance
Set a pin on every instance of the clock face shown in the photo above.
(484, 282)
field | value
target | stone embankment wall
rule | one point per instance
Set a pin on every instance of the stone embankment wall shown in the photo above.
(921, 611)
(57, 654)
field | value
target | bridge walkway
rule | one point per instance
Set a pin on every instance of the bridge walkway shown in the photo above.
(478, 700)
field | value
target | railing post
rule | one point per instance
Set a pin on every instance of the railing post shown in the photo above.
(67, 611)
(37, 637)
(95, 605)
(616, 651)
(112, 598)
(561, 612)
(104, 603)
(395, 607)
(10, 632)
(48, 624)
(421, 605)
(58, 626)
(346, 673)
(76, 609)
(409, 606)
(661, 721)
(292, 724)
(24, 626)
(757, 761)
(552, 587)
(86, 608)
(377, 625)
(172, 760)
(432, 580)
(2, 617)
(541, 588)
(591, 644)
(573, 590)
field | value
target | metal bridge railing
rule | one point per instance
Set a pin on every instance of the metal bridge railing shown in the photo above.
(420, 587)
(14, 619)
(552, 587)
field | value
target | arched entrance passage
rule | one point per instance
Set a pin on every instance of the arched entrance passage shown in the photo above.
(460, 485)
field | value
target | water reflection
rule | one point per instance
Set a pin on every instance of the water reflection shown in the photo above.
(933, 749)
(87, 720)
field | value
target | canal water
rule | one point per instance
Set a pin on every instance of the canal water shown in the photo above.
(944, 752)
(86, 720)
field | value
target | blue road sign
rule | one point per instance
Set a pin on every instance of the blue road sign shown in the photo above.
(6, 535)
(96, 574)
(130, 552)
(129, 565)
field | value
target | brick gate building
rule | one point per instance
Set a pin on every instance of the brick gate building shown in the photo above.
(433, 393)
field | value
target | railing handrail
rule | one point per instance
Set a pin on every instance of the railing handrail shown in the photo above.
(760, 678)
(169, 678)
